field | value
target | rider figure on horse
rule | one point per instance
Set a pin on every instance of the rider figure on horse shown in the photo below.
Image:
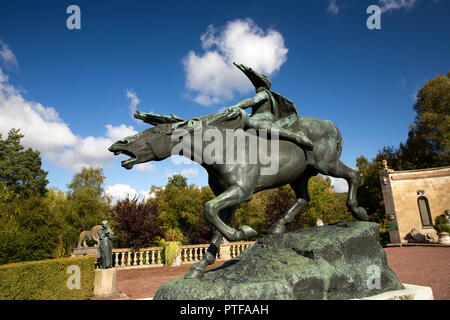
(270, 110)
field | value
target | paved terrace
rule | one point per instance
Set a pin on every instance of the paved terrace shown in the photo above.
(424, 266)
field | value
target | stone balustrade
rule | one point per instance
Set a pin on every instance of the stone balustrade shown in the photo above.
(147, 257)
(189, 254)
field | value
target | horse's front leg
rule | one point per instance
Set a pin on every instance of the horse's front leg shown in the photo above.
(226, 202)
(231, 197)
(198, 269)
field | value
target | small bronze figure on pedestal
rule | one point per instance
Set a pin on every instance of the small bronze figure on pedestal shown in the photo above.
(105, 238)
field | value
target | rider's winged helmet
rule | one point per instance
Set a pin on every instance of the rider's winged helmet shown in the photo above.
(259, 80)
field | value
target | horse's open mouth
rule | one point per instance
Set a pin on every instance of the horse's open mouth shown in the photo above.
(127, 164)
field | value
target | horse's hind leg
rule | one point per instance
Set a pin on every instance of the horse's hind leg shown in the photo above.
(351, 175)
(300, 187)
(199, 269)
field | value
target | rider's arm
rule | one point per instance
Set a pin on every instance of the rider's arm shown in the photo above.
(259, 98)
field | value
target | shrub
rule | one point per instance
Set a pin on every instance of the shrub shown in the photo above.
(441, 225)
(170, 252)
(135, 223)
(46, 279)
(440, 220)
(442, 228)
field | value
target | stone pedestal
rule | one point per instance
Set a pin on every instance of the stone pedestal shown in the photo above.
(341, 261)
(411, 292)
(444, 238)
(91, 251)
(105, 282)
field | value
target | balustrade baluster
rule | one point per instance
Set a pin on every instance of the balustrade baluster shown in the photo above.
(185, 255)
(140, 258)
(146, 257)
(153, 256)
(196, 254)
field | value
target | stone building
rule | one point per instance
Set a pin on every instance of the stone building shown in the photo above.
(414, 198)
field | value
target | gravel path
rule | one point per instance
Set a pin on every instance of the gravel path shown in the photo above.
(426, 266)
(423, 266)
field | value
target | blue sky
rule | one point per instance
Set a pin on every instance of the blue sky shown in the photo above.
(72, 92)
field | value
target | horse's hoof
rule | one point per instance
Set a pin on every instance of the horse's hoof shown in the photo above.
(361, 214)
(277, 229)
(194, 273)
(248, 232)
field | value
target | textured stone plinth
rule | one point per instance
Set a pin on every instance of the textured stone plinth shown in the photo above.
(342, 261)
(105, 282)
(91, 251)
(411, 292)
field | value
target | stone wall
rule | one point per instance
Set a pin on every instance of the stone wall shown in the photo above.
(401, 191)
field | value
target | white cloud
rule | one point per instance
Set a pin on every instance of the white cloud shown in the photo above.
(212, 76)
(3, 77)
(332, 7)
(39, 124)
(8, 58)
(45, 131)
(388, 5)
(121, 191)
(145, 167)
(119, 132)
(134, 100)
(339, 184)
(189, 172)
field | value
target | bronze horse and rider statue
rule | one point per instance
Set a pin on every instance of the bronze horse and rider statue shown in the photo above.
(305, 147)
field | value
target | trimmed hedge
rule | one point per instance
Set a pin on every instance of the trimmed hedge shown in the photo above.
(47, 279)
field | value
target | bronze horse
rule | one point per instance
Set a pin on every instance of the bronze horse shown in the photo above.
(235, 183)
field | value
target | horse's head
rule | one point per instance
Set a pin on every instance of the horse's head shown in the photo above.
(148, 145)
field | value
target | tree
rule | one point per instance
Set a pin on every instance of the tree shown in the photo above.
(428, 143)
(135, 223)
(20, 169)
(252, 213)
(325, 204)
(177, 181)
(433, 117)
(28, 231)
(276, 202)
(89, 203)
(181, 207)
(427, 146)
(57, 203)
(90, 178)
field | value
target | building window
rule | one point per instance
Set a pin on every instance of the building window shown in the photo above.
(424, 210)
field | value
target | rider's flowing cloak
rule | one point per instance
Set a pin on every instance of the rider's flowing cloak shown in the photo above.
(283, 109)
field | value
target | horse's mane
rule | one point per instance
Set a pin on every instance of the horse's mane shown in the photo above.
(220, 121)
